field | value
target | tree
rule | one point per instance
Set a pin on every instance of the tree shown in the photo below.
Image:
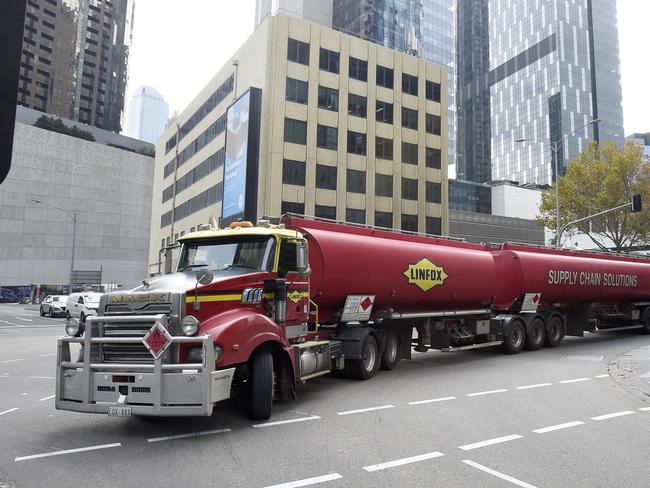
(57, 125)
(600, 178)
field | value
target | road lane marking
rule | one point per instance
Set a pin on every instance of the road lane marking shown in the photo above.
(613, 415)
(47, 398)
(9, 411)
(67, 451)
(185, 436)
(363, 410)
(41, 377)
(489, 392)
(11, 361)
(602, 376)
(645, 409)
(505, 477)
(47, 355)
(433, 400)
(576, 380)
(402, 462)
(551, 428)
(489, 442)
(11, 323)
(24, 320)
(308, 481)
(538, 385)
(282, 422)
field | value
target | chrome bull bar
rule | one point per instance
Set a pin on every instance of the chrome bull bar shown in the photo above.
(184, 389)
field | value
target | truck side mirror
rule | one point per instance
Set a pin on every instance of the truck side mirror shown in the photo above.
(302, 258)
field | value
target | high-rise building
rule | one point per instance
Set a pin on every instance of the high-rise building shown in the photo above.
(319, 11)
(534, 70)
(74, 59)
(147, 114)
(306, 119)
(424, 28)
(642, 139)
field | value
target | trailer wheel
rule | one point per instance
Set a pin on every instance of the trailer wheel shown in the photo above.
(366, 367)
(535, 337)
(390, 356)
(646, 322)
(513, 341)
(555, 332)
(261, 385)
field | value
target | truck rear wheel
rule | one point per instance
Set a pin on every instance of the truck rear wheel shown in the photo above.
(261, 385)
(513, 341)
(555, 332)
(390, 356)
(536, 335)
(366, 366)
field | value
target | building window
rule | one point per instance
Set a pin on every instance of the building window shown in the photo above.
(358, 69)
(409, 189)
(384, 219)
(434, 226)
(409, 153)
(295, 131)
(355, 215)
(326, 177)
(357, 105)
(328, 98)
(293, 172)
(433, 192)
(433, 91)
(293, 207)
(325, 212)
(433, 124)
(327, 137)
(409, 118)
(384, 77)
(162, 243)
(410, 222)
(383, 148)
(409, 84)
(433, 157)
(296, 91)
(383, 185)
(384, 111)
(192, 229)
(329, 60)
(356, 143)
(298, 51)
(356, 181)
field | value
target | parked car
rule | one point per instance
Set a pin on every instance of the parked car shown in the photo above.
(54, 305)
(81, 305)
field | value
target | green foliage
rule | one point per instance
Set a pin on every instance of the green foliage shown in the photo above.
(600, 178)
(57, 125)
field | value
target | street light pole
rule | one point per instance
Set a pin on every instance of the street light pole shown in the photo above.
(555, 149)
(74, 234)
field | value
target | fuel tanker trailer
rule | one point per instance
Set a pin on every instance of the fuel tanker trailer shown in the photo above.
(257, 309)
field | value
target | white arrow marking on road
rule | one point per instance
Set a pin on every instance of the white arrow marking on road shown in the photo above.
(67, 451)
(309, 481)
(9, 411)
(489, 442)
(613, 415)
(402, 462)
(505, 477)
(544, 430)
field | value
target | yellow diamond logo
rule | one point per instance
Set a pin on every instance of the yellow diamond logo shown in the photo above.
(425, 275)
(295, 296)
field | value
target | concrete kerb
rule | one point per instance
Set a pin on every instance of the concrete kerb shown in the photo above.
(632, 371)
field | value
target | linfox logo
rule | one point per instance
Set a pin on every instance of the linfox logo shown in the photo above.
(295, 296)
(425, 275)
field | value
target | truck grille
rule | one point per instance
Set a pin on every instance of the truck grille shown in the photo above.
(129, 353)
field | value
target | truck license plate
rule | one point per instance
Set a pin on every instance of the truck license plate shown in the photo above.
(119, 411)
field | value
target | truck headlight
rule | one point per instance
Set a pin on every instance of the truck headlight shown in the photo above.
(190, 325)
(195, 355)
(218, 352)
(73, 327)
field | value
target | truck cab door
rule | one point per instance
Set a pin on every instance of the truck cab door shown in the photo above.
(297, 283)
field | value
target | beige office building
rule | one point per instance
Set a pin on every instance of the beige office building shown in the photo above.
(349, 130)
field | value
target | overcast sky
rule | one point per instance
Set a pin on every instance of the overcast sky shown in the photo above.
(179, 45)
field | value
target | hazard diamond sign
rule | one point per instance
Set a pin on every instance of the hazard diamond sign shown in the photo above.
(157, 340)
(357, 308)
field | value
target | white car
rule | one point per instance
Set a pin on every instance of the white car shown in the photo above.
(54, 305)
(81, 305)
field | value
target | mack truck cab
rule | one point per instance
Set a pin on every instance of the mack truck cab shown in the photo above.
(234, 316)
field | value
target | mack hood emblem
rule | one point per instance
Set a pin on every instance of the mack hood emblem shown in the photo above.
(425, 275)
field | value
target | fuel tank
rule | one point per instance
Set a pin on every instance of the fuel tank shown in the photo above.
(405, 272)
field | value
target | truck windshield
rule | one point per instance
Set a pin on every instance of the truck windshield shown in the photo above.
(255, 252)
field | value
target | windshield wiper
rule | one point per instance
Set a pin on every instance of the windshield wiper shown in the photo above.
(230, 266)
(189, 266)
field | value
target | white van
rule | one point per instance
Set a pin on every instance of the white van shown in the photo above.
(81, 305)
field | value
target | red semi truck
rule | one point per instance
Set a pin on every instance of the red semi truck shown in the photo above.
(259, 309)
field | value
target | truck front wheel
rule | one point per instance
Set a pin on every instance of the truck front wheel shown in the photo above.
(261, 385)
(513, 341)
(366, 366)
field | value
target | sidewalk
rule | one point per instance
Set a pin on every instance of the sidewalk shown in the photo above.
(633, 370)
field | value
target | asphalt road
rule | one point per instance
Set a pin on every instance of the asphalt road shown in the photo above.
(573, 416)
